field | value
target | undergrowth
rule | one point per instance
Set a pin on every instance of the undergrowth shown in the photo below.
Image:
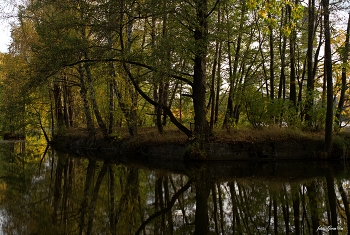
(173, 135)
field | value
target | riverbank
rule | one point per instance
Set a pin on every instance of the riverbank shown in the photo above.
(245, 144)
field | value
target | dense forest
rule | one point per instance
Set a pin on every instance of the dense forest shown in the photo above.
(195, 64)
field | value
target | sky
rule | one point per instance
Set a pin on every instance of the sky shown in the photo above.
(5, 36)
(8, 13)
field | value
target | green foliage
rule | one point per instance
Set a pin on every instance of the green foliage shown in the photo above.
(318, 115)
(256, 108)
(262, 111)
(317, 112)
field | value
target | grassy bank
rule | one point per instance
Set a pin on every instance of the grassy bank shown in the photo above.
(171, 135)
(257, 141)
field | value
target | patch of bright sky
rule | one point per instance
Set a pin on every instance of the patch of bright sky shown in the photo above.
(5, 37)
(8, 9)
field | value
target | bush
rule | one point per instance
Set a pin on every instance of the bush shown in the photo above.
(262, 111)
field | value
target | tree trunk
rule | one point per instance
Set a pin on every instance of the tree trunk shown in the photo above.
(315, 217)
(170, 222)
(310, 75)
(229, 116)
(165, 101)
(201, 220)
(344, 197)
(236, 223)
(328, 78)
(212, 87)
(218, 86)
(111, 106)
(269, 220)
(345, 56)
(68, 173)
(283, 46)
(131, 111)
(272, 60)
(201, 127)
(97, 113)
(57, 93)
(332, 198)
(296, 208)
(83, 93)
(285, 210)
(61, 164)
(158, 92)
(159, 109)
(158, 205)
(221, 207)
(90, 172)
(126, 213)
(275, 214)
(112, 211)
(67, 102)
(96, 190)
(292, 85)
(215, 210)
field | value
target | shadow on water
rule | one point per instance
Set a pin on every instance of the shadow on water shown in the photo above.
(64, 194)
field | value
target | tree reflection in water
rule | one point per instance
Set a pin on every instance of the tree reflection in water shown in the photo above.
(76, 195)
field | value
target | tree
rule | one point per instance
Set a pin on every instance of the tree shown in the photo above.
(201, 128)
(344, 58)
(310, 74)
(233, 67)
(328, 78)
(292, 45)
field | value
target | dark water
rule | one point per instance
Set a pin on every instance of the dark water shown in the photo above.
(57, 193)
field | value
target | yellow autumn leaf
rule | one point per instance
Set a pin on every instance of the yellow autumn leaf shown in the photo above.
(262, 13)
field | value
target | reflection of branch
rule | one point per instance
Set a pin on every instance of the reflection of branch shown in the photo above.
(100, 177)
(180, 203)
(167, 209)
(90, 173)
(344, 197)
(346, 124)
(41, 161)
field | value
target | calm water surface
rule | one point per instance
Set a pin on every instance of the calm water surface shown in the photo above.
(46, 192)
